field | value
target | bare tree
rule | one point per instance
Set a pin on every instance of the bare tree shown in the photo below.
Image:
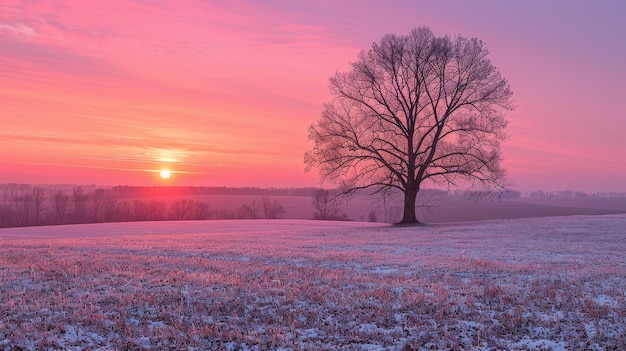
(186, 209)
(7, 215)
(126, 210)
(60, 202)
(39, 196)
(414, 109)
(157, 210)
(272, 209)
(224, 214)
(97, 204)
(22, 201)
(141, 210)
(110, 208)
(328, 206)
(181, 209)
(80, 198)
(249, 210)
(201, 210)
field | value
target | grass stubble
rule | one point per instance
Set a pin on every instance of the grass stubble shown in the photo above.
(541, 284)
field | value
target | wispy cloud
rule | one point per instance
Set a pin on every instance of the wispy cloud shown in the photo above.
(18, 29)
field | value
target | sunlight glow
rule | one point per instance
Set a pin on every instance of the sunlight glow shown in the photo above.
(165, 173)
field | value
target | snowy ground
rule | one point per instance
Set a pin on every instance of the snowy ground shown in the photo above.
(556, 283)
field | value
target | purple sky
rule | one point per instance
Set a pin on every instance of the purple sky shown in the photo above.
(222, 93)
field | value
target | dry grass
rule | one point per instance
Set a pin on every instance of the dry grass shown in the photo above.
(541, 284)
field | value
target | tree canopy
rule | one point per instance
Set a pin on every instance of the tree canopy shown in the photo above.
(413, 109)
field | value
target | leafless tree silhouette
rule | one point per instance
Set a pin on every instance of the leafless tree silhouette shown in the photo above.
(328, 206)
(39, 196)
(413, 109)
(7, 215)
(79, 198)
(97, 204)
(22, 201)
(249, 210)
(60, 203)
(186, 209)
(110, 205)
(182, 209)
(272, 209)
(201, 210)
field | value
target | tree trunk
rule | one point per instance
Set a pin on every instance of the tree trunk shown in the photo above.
(410, 194)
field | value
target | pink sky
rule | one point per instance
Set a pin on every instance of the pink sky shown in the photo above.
(222, 92)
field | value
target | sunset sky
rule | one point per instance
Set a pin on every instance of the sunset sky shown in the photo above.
(223, 92)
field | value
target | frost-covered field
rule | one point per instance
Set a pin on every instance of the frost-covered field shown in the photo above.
(556, 283)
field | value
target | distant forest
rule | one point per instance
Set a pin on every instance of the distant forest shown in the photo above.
(125, 191)
(29, 205)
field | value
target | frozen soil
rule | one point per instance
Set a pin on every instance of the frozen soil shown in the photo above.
(555, 283)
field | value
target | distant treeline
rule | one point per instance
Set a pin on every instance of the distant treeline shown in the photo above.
(571, 194)
(27, 205)
(510, 193)
(32, 205)
(126, 191)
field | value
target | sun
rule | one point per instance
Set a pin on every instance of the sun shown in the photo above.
(165, 173)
